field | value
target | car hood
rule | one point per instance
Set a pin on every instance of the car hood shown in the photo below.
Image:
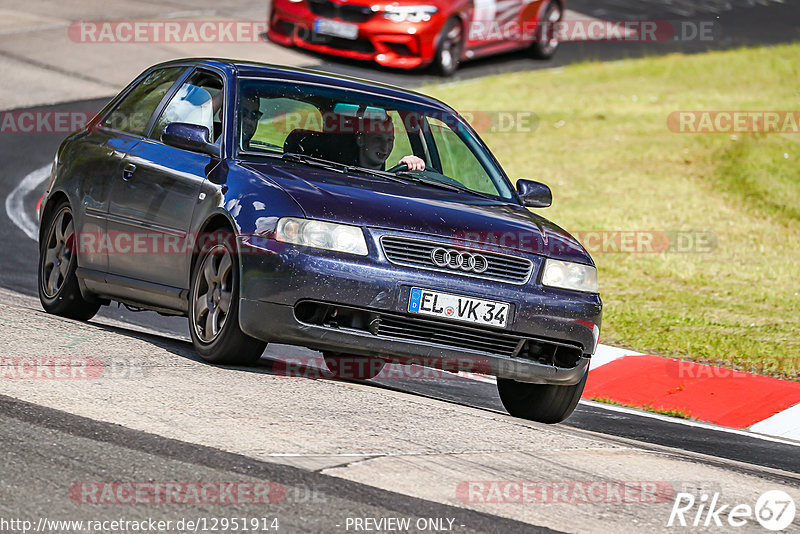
(379, 203)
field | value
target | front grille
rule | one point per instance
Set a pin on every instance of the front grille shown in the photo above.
(470, 338)
(448, 335)
(283, 27)
(417, 253)
(335, 10)
(354, 45)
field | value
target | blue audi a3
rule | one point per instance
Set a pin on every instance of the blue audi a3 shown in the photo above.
(279, 205)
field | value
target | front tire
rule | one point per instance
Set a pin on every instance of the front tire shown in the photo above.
(544, 403)
(546, 43)
(451, 45)
(59, 291)
(214, 306)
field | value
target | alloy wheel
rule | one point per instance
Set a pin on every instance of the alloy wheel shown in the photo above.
(58, 253)
(213, 293)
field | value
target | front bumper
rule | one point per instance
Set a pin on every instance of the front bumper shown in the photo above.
(278, 322)
(391, 44)
(276, 278)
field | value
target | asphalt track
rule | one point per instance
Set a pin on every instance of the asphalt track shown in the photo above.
(311, 502)
(19, 274)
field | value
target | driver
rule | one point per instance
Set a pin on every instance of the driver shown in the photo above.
(249, 115)
(375, 140)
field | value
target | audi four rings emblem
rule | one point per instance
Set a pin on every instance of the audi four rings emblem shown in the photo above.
(459, 260)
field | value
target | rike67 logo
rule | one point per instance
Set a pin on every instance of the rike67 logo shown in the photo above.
(774, 510)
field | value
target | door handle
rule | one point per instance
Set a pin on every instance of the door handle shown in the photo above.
(127, 172)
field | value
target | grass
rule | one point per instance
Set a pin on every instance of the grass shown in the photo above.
(603, 146)
(680, 414)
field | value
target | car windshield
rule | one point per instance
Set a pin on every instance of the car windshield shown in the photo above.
(364, 131)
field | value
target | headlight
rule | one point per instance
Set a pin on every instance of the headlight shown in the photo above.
(568, 275)
(320, 234)
(409, 13)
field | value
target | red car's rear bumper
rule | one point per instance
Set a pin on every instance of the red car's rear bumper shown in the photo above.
(393, 44)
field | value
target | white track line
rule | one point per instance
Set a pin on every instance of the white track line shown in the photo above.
(15, 202)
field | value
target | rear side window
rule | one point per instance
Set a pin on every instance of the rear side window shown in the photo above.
(133, 112)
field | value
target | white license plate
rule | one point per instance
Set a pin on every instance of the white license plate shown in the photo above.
(335, 28)
(459, 307)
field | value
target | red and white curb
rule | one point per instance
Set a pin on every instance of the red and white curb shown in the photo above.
(727, 398)
(713, 397)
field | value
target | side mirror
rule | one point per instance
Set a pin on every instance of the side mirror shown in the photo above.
(189, 137)
(534, 194)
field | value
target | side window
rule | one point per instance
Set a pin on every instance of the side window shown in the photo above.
(134, 111)
(198, 101)
(402, 145)
(457, 160)
(279, 116)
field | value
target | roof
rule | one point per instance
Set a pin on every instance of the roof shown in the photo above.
(255, 69)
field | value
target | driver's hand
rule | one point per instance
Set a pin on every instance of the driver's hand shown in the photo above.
(414, 163)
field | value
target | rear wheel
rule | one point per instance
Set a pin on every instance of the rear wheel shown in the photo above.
(214, 306)
(546, 42)
(59, 291)
(451, 45)
(348, 366)
(544, 403)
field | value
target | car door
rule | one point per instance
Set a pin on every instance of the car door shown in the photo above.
(100, 158)
(495, 23)
(95, 160)
(154, 196)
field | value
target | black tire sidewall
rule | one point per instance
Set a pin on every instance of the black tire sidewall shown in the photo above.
(68, 301)
(231, 345)
(536, 48)
(437, 61)
(544, 403)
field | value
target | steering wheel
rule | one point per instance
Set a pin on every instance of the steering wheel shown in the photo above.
(399, 167)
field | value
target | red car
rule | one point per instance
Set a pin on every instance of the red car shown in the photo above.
(417, 33)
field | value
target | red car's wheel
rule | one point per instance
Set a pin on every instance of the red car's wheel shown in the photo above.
(450, 48)
(547, 42)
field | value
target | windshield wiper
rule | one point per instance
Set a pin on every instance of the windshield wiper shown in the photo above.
(411, 177)
(341, 167)
(314, 162)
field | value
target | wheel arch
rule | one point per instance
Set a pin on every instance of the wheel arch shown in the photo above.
(545, 3)
(215, 221)
(53, 200)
